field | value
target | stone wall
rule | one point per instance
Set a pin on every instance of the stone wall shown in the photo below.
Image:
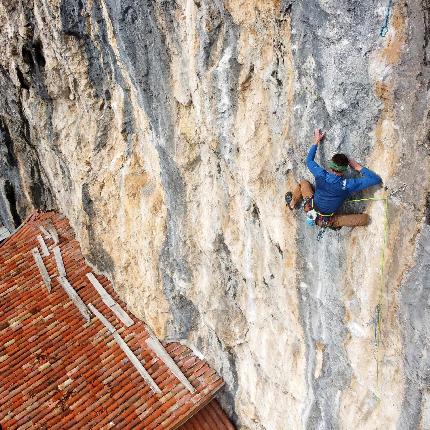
(168, 132)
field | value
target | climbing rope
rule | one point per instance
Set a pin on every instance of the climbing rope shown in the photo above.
(384, 28)
(379, 307)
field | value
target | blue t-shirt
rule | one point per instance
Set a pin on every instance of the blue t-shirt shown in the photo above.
(332, 190)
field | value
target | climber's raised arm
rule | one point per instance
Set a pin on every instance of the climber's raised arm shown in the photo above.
(368, 179)
(314, 167)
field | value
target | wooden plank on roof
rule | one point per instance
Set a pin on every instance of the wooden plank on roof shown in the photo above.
(122, 315)
(42, 269)
(74, 297)
(43, 247)
(128, 352)
(53, 232)
(4, 233)
(45, 232)
(110, 302)
(59, 261)
(158, 348)
(107, 299)
(137, 364)
(102, 318)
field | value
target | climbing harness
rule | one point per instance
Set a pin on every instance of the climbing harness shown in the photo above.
(384, 28)
(314, 217)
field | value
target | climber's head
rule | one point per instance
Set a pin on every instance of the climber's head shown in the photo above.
(339, 164)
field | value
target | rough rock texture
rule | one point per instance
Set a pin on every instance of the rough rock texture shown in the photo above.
(169, 131)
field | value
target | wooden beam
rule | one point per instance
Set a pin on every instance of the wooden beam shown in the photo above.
(135, 361)
(102, 318)
(107, 299)
(74, 297)
(53, 232)
(110, 302)
(59, 261)
(122, 315)
(158, 348)
(43, 247)
(49, 232)
(42, 269)
(45, 232)
(128, 352)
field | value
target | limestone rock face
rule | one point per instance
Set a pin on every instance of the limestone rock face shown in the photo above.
(169, 131)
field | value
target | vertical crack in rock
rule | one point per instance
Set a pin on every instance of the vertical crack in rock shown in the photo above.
(102, 66)
(227, 395)
(426, 15)
(11, 198)
(19, 162)
(32, 55)
(105, 123)
(100, 73)
(6, 140)
(100, 61)
(427, 209)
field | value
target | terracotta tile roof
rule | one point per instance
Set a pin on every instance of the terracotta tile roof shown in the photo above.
(211, 417)
(58, 372)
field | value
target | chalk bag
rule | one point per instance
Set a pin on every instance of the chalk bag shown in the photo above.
(311, 217)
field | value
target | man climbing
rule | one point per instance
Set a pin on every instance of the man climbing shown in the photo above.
(331, 189)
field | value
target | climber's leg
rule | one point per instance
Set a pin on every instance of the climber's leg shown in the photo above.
(349, 220)
(307, 189)
(297, 196)
(303, 190)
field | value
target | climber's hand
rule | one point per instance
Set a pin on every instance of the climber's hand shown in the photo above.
(318, 136)
(354, 165)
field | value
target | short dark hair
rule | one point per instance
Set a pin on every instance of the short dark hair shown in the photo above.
(340, 159)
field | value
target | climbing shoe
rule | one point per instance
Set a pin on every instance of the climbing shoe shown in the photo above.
(289, 199)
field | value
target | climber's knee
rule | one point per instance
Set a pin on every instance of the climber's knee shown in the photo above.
(307, 190)
(355, 220)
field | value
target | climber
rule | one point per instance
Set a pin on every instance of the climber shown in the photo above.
(332, 189)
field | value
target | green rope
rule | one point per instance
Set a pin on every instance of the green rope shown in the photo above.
(379, 308)
(369, 198)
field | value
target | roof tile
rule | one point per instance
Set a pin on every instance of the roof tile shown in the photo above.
(58, 372)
